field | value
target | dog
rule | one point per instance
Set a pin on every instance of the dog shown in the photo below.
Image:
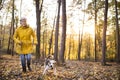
(49, 64)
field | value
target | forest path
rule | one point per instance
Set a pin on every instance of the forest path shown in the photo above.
(10, 69)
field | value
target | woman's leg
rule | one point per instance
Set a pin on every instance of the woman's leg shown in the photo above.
(23, 62)
(28, 56)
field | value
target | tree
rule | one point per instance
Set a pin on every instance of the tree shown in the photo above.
(1, 38)
(69, 50)
(104, 34)
(95, 32)
(87, 46)
(63, 38)
(79, 46)
(51, 37)
(81, 35)
(38, 18)
(117, 34)
(1, 4)
(95, 9)
(13, 21)
(10, 41)
(57, 32)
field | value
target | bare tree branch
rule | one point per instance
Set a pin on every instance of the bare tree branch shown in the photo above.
(1, 4)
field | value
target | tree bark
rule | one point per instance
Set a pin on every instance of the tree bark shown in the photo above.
(104, 34)
(63, 39)
(70, 45)
(117, 35)
(95, 33)
(38, 17)
(1, 4)
(12, 50)
(57, 32)
(81, 35)
(51, 37)
(79, 44)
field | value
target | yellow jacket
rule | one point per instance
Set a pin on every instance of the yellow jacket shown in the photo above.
(26, 36)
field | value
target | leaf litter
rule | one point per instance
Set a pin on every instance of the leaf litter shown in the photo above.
(10, 69)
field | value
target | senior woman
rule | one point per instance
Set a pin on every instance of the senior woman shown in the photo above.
(24, 38)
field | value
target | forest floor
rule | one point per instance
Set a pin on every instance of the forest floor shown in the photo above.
(10, 69)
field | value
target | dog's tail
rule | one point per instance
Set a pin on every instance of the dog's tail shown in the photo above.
(50, 57)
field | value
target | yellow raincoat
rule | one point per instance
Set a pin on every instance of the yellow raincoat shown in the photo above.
(26, 36)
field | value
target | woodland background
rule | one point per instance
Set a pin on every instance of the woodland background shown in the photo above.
(71, 30)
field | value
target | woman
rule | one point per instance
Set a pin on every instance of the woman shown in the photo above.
(24, 38)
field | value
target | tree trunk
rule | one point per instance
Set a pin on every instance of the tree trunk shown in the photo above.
(79, 58)
(50, 43)
(51, 38)
(104, 34)
(38, 17)
(1, 4)
(43, 50)
(80, 43)
(88, 48)
(117, 35)
(63, 39)
(80, 39)
(12, 50)
(70, 45)
(95, 32)
(10, 41)
(57, 32)
(1, 33)
(3, 37)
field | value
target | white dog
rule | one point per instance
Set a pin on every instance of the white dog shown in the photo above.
(49, 64)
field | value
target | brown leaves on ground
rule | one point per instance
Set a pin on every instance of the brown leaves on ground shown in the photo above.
(10, 69)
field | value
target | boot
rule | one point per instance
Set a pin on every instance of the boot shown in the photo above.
(28, 63)
(24, 69)
(29, 68)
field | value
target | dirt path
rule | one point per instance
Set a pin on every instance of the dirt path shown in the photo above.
(10, 69)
